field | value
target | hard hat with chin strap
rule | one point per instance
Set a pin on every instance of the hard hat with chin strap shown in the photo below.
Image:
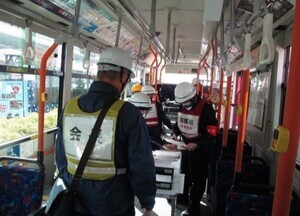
(148, 89)
(184, 91)
(141, 100)
(113, 58)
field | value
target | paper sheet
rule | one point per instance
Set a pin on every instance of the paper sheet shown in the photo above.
(180, 144)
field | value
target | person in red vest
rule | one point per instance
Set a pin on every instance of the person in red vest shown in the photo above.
(155, 119)
(197, 126)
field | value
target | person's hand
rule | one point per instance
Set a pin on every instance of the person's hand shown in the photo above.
(169, 147)
(190, 146)
(147, 213)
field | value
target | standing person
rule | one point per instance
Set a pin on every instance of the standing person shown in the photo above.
(197, 125)
(143, 102)
(121, 165)
(155, 118)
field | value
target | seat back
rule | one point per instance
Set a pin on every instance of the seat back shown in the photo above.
(21, 187)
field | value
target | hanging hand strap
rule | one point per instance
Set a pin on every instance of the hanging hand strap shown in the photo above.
(90, 145)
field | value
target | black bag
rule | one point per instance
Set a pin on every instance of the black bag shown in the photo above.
(62, 205)
(60, 202)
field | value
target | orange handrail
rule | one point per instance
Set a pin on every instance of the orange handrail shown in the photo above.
(227, 111)
(43, 99)
(43, 95)
(200, 65)
(160, 73)
(156, 74)
(151, 67)
(242, 124)
(286, 162)
(220, 98)
(212, 67)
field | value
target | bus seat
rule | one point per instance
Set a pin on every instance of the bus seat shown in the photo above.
(254, 170)
(249, 200)
(21, 187)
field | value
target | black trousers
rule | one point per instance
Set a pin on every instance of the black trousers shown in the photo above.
(195, 166)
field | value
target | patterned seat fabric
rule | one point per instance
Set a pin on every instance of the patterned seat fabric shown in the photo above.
(238, 203)
(21, 190)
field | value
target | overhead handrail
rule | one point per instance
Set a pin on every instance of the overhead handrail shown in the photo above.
(291, 120)
(247, 52)
(118, 29)
(200, 66)
(267, 47)
(43, 95)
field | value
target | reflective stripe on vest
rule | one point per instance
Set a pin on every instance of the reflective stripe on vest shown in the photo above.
(188, 121)
(77, 127)
(152, 117)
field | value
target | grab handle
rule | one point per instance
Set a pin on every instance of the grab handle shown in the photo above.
(267, 47)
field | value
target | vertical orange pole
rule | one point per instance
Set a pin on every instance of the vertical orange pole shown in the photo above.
(212, 67)
(291, 120)
(156, 73)
(151, 67)
(242, 125)
(160, 74)
(42, 100)
(227, 111)
(220, 98)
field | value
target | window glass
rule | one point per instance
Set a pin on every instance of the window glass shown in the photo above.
(83, 77)
(13, 41)
(94, 59)
(77, 66)
(19, 105)
(41, 44)
(10, 44)
(80, 86)
(20, 87)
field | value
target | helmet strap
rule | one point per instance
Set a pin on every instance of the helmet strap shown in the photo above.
(123, 83)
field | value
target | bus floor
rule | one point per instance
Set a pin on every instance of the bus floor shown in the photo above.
(162, 206)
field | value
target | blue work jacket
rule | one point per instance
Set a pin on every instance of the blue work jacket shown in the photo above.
(133, 151)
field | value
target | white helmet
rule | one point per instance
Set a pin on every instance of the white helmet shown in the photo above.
(115, 56)
(141, 100)
(195, 81)
(184, 91)
(148, 89)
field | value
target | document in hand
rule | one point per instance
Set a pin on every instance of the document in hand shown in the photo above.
(180, 144)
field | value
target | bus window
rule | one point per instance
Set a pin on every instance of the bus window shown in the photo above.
(93, 68)
(19, 87)
(19, 105)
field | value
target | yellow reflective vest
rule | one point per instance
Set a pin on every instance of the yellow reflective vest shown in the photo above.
(77, 127)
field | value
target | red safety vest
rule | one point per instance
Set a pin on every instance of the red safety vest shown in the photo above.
(152, 117)
(188, 120)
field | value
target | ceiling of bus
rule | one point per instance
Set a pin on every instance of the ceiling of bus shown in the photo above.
(249, 21)
(99, 22)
